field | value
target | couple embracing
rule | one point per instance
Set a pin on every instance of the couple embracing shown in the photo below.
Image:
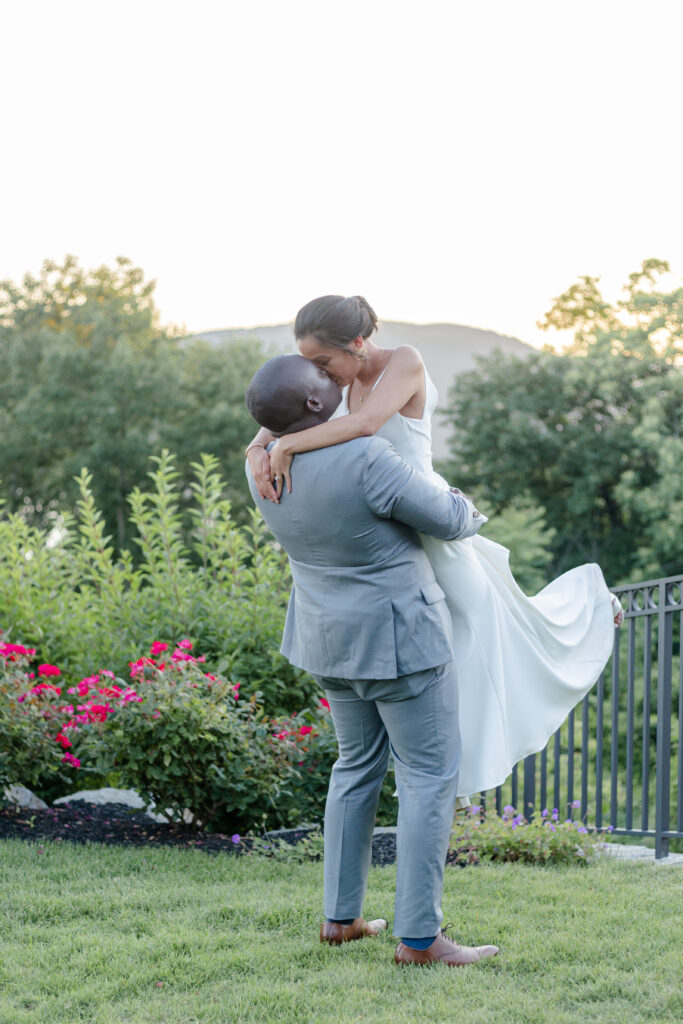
(393, 590)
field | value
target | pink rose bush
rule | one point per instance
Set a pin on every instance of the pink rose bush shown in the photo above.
(185, 741)
(40, 728)
(178, 735)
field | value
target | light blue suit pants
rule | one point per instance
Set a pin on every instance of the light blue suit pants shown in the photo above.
(416, 718)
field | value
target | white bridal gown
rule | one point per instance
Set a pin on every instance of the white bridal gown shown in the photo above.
(523, 662)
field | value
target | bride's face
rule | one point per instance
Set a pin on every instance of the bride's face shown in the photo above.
(341, 364)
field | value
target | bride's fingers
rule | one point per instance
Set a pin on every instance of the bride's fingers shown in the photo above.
(278, 485)
(288, 481)
(261, 471)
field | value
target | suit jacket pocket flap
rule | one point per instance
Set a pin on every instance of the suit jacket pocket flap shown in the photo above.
(432, 592)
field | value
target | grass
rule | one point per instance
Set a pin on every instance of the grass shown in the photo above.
(107, 935)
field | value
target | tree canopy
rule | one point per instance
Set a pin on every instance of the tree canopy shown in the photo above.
(91, 379)
(592, 434)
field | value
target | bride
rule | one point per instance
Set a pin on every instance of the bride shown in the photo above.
(523, 662)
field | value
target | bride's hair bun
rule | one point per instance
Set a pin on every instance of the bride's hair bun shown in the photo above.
(370, 315)
(335, 320)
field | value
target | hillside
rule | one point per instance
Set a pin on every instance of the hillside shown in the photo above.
(447, 349)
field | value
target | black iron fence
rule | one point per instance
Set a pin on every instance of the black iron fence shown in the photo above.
(619, 751)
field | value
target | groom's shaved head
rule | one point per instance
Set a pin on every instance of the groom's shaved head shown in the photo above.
(290, 393)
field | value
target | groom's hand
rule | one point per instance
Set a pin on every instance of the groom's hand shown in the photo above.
(477, 515)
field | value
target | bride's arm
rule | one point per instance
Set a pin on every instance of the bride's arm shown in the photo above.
(401, 380)
(259, 463)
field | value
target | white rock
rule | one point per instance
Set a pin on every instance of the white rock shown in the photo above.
(24, 798)
(106, 795)
(110, 795)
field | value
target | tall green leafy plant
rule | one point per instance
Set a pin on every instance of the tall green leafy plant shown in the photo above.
(198, 574)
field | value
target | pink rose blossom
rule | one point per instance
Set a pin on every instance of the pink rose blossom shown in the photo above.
(83, 687)
(10, 651)
(42, 687)
(48, 670)
(110, 691)
(158, 648)
(138, 667)
(187, 644)
(99, 712)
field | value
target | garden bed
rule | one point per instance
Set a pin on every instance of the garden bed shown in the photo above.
(116, 824)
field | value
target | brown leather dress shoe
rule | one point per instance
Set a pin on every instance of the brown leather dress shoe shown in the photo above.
(335, 933)
(443, 950)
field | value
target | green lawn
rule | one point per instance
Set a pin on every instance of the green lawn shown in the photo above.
(103, 934)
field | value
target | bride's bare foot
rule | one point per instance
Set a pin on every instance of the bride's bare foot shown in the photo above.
(617, 610)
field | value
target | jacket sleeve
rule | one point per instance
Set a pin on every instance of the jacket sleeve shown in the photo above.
(394, 490)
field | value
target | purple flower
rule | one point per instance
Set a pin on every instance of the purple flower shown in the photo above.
(556, 814)
(610, 828)
(509, 809)
(236, 839)
(582, 829)
(551, 827)
(545, 812)
(576, 803)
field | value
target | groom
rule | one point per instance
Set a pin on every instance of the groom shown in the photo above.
(368, 620)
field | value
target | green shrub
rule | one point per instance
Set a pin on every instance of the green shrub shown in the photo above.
(510, 837)
(67, 594)
(307, 847)
(184, 741)
(31, 720)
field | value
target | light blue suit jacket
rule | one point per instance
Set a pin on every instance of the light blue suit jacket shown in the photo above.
(365, 603)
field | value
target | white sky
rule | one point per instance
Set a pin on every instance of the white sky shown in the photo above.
(452, 161)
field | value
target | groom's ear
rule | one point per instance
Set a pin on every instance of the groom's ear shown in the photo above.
(314, 404)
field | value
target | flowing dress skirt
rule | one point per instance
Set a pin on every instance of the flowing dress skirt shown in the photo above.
(523, 662)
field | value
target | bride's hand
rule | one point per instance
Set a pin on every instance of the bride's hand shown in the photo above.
(259, 462)
(280, 466)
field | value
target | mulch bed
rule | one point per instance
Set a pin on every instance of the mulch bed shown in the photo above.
(117, 824)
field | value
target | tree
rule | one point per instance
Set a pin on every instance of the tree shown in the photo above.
(87, 380)
(521, 528)
(211, 415)
(591, 434)
(92, 379)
